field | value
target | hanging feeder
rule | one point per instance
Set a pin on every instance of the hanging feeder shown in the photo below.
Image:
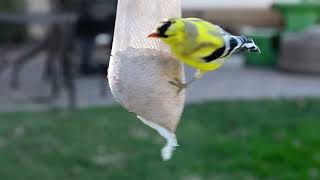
(140, 68)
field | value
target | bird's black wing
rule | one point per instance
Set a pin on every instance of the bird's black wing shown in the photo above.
(215, 54)
(232, 45)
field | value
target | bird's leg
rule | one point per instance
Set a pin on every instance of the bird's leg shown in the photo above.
(181, 85)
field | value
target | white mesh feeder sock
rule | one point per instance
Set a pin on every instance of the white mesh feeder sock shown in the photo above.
(140, 69)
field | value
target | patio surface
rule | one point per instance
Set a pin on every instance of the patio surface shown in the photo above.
(230, 82)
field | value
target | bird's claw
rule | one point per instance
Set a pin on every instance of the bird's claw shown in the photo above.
(179, 84)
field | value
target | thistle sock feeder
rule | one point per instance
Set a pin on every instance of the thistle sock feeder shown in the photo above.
(140, 68)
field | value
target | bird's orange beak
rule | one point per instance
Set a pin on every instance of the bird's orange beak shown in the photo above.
(153, 35)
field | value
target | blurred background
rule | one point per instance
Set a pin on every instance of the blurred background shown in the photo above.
(255, 118)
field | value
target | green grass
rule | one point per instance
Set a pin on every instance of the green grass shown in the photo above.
(269, 139)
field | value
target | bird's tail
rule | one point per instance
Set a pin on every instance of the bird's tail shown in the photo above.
(249, 45)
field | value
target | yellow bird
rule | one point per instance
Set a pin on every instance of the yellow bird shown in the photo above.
(200, 44)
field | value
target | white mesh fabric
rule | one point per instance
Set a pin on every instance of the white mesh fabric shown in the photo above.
(140, 68)
(137, 18)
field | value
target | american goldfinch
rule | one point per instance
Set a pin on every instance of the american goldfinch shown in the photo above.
(200, 44)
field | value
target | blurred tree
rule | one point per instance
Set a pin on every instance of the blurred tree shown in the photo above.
(95, 17)
(72, 6)
(9, 32)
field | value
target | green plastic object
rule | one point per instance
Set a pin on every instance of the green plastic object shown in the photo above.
(299, 16)
(268, 41)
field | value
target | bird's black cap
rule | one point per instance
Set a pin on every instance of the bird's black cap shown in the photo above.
(163, 28)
